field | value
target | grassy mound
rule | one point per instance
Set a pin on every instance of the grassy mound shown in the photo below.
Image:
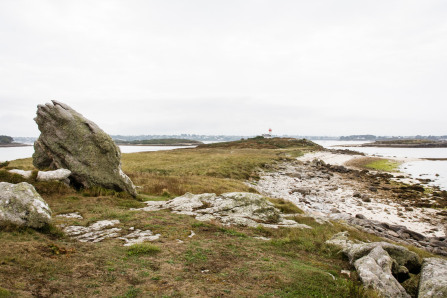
(265, 143)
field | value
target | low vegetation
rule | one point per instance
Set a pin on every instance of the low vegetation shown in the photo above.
(377, 164)
(218, 261)
(6, 140)
(264, 143)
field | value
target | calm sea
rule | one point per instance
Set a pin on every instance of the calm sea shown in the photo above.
(434, 170)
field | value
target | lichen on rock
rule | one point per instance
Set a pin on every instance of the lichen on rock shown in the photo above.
(433, 281)
(70, 141)
(379, 264)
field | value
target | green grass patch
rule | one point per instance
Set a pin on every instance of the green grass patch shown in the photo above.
(143, 249)
(385, 165)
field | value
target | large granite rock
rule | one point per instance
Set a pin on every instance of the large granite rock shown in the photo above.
(433, 282)
(70, 141)
(380, 265)
(374, 270)
(21, 205)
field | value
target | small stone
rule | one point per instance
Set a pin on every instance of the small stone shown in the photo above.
(75, 215)
(346, 272)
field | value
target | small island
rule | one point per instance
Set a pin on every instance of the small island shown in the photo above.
(159, 142)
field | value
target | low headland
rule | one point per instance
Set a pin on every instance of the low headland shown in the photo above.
(410, 143)
(330, 192)
(159, 142)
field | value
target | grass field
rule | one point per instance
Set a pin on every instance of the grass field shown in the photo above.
(219, 261)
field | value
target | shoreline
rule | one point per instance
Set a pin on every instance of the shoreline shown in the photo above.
(321, 185)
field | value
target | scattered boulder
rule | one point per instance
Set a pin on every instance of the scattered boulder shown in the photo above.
(70, 141)
(236, 208)
(433, 282)
(21, 205)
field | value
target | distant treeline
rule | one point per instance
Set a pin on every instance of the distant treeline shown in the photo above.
(6, 140)
(393, 138)
(212, 138)
(160, 142)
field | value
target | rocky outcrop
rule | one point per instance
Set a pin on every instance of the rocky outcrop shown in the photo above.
(433, 282)
(374, 270)
(236, 208)
(380, 265)
(104, 229)
(96, 232)
(318, 189)
(399, 233)
(21, 205)
(70, 141)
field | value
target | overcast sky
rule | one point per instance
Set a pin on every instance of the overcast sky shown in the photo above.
(228, 67)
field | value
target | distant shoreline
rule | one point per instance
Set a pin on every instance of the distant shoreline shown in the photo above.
(15, 145)
(396, 145)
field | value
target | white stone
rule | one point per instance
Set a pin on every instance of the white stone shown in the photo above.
(24, 174)
(94, 233)
(59, 175)
(75, 215)
(139, 236)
